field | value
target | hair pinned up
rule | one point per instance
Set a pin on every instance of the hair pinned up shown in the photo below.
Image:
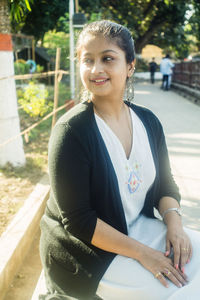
(111, 31)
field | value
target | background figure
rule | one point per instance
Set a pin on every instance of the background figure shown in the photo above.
(166, 70)
(152, 68)
(170, 78)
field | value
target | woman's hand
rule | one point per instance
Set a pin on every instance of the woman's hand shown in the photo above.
(182, 249)
(162, 267)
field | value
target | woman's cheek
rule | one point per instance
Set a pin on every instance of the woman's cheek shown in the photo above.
(84, 74)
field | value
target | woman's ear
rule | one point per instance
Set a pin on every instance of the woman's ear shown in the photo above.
(131, 68)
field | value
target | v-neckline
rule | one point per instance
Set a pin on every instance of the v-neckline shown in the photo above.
(116, 137)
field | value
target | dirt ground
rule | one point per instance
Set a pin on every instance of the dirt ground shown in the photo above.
(16, 184)
(25, 281)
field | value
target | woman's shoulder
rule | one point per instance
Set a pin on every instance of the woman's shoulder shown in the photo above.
(77, 115)
(148, 118)
(73, 127)
(143, 112)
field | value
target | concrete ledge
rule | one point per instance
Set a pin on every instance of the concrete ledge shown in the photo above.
(17, 239)
(187, 92)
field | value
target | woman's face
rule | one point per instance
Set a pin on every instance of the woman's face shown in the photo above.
(103, 67)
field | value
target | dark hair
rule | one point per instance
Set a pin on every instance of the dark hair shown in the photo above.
(112, 31)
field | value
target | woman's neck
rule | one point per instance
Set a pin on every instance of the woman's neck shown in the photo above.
(109, 108)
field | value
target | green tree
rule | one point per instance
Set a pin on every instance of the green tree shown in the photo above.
(148, 20)
(194, 22)
(19, 8)
(43, 17)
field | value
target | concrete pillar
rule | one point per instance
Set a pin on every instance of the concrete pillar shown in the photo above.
(9, 118)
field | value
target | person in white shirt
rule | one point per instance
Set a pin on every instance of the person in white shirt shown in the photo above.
(166, 70)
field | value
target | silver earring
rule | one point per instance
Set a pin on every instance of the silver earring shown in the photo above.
(85, 95)
(129, 91)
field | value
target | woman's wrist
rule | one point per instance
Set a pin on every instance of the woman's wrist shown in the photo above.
(172, 219)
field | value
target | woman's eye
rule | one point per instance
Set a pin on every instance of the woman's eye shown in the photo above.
(108, 58)
(87, 61)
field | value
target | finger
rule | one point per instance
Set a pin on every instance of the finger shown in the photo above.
(190, 254)
(183, 275)
(184, 256)
(168, 248)
(180, 276)
(162, 279)
(176, 256)
(175, 277)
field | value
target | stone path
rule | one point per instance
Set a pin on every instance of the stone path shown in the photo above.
(181, 122)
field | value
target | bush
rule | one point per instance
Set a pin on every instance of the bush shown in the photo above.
(21, 67)
(33, 99)
(142, 65)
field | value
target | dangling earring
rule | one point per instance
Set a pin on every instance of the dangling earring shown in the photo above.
(86, 95)
(129, 91)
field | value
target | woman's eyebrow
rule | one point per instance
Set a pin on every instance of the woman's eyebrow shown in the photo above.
(109, 50)
(103, 52)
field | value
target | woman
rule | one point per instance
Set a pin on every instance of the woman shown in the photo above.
(109, 169)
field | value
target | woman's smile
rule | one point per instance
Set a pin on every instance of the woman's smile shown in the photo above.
(103, 64)
(99, 81)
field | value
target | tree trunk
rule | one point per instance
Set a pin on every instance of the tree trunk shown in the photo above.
(9, 118)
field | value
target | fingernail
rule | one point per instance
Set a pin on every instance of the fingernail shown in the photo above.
(176, 266)
(180, 285)
(166, 253)
(187, 262)
(183, 270)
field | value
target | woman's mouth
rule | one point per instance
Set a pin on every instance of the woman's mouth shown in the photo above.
(99, 81)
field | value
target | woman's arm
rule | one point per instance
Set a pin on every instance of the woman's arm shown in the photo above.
(109, 239)
(169, 198)
(176, 236)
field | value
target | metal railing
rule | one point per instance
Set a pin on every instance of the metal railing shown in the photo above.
(188, 74)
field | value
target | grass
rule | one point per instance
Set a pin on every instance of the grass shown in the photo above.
(17, 183)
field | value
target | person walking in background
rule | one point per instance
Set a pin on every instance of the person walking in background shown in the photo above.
(152, 68)
(166, 70)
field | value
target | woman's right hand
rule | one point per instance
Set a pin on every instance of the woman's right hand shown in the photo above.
(161, 267)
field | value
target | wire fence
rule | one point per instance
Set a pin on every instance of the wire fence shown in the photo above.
(68, 103)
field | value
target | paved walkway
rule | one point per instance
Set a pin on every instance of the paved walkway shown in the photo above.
(181, 122)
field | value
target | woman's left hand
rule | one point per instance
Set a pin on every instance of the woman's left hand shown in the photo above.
(178, 240)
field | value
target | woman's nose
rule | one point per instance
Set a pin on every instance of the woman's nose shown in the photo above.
(97, 67)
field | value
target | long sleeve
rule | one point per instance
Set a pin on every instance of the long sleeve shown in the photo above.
(168, 186)
(69, 170)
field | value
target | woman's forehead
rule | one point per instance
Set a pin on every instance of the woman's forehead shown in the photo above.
(98, 44)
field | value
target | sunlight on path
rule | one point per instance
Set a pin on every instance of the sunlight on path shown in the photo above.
(181, 122)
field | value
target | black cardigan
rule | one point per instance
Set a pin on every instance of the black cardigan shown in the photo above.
(84, 187)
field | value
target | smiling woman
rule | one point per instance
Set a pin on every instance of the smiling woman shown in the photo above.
(100, 62)
(109, 169)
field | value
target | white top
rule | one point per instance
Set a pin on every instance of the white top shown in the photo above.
(126, 278)
(166, 66)
(136, 174)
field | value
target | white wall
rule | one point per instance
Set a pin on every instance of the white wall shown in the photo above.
(9, 119)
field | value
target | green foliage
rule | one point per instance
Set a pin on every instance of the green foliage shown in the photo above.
(63, 23)
(194, 22)
(33, 100)
(21, 67)
(53, 40)
(43, 17)
(159, 22)
(142, 65)
(19, 8)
